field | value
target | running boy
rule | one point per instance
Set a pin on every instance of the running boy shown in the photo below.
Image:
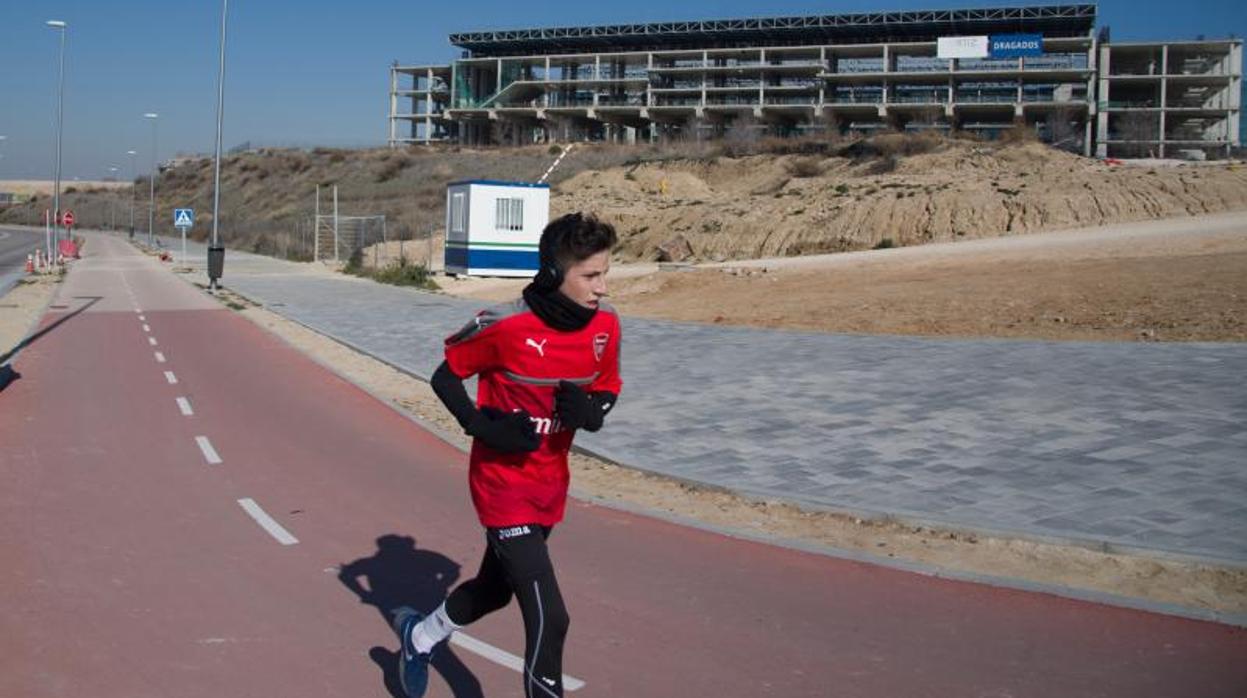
(548, 364)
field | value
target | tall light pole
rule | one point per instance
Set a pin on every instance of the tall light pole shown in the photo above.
(61, 27)
(215, 249)
(133, 193)
(112, 200)
(151, 184)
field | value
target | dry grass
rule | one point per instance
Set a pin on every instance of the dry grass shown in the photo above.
(268, 195)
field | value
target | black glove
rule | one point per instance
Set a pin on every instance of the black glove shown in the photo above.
(505, 432)
(577, 409)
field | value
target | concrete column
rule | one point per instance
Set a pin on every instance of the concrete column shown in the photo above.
(705, 63)
(822, 82)
(1093, 109)
(454, 95)
(429, 106)
(1102, 97)
(887, 68)
(1236, 93)
(649, 70)
(597, 75)
(762, 77)
(1164, 89)
(393, 103)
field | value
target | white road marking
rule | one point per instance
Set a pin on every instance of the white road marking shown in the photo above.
(160, 358)
(209, 452)
(137, 310)
(142, 318)
(504, 657)
(147, 328)
(185, 406)
(151, 341)
(266, 522)
(173, 380)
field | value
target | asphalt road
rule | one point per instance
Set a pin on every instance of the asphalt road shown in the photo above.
(192, 508)
(15, 244)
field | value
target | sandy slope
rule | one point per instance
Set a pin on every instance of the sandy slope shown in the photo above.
(765, 205)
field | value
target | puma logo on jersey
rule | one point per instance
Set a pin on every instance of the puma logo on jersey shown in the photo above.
(512, 532)
(541, 348)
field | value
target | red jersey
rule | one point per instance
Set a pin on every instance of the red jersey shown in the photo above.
(520, 360)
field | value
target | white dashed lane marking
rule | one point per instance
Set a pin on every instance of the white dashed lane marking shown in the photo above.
(185, 406)
(266, 522)
(503, 657)
(173, 380)
(160, 358)
(209, 452)
(147, 328)
(151, 341)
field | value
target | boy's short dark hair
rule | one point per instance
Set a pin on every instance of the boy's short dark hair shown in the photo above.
(575, 237)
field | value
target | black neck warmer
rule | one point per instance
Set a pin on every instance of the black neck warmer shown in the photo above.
(557, 310)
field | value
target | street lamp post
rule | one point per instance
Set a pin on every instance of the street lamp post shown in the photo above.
(151, 185)
(61, 27)
(215, 251)
(112, 200)
(133, 192)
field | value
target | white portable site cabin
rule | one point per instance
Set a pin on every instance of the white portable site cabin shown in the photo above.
(492, 228)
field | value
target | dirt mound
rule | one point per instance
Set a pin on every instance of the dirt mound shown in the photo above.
(888, 191)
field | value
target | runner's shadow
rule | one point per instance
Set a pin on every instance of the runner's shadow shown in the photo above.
(35, 337)
(7, 375)
(399, 574)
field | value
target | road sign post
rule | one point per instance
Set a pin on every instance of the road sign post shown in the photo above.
(183, 219)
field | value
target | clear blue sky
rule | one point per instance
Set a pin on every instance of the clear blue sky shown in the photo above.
(312, 72)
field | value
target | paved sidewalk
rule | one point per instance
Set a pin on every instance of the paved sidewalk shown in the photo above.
(1133, 445)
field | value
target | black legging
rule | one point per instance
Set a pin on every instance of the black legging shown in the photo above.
(517, 563)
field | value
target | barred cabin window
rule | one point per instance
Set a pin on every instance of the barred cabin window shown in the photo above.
(509, 214)
(456, 212)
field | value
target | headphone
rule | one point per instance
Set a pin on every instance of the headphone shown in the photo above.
(550, 275)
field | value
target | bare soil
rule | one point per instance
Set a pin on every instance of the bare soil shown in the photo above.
(1082, 285)
(891, 190)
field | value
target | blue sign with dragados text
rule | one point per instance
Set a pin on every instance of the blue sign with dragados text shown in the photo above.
(1016, 45)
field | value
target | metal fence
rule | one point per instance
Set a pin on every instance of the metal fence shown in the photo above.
(339, 238)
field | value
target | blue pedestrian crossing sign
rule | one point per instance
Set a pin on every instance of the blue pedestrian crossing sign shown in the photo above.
(183, 217)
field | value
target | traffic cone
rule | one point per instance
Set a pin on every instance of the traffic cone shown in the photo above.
(30, 264)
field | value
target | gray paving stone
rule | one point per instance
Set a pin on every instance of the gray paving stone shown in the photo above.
(1033, 437)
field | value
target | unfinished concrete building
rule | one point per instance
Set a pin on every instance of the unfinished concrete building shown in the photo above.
(981, 70)
(1172, 99)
